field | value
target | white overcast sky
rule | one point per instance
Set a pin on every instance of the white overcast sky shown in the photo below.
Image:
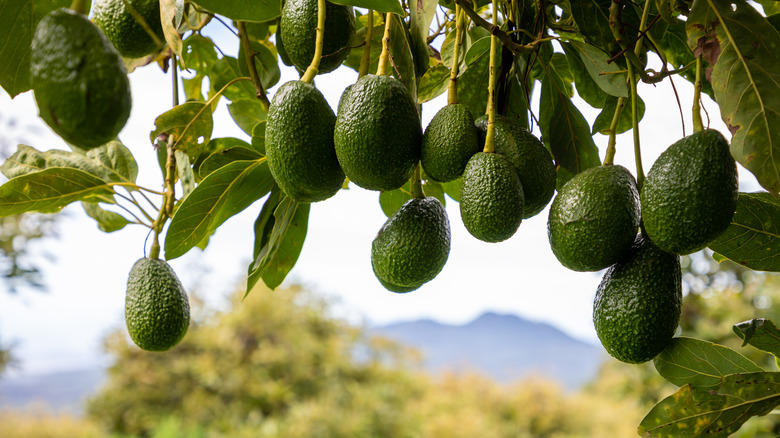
(62, 328)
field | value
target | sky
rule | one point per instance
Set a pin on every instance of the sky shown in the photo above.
(63, 328)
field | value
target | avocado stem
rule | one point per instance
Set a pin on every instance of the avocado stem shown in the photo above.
(490, 135)
(249, 54)
(640, 173)
(365, 61)
(174, 80)
(452, 88)
(169, 198)
(383, 69)
(313, 69)
(698, 125)
(609, 158)
(417, 188)
(80, 6)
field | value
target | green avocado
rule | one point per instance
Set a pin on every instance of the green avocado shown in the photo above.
(129, 37)
(448, 142)
(378, 133)
(594, 218)
(638, 303)
(298, 24)
(491, 197)
(79, 80)
(531, 159)
(412, 246)
(299, 143)
(690, 194)
(157, 311)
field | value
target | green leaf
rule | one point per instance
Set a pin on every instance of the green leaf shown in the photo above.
(698, 412)
(199, 52)
(356, 55)
(565, 131)
(18, 19)
(473, 83)
(225, 70)
(225, 156)
(401, 52)
(452, 189)
(108, 221)
(224, 193)
(700, 363)
(433, 83)
(192, 125)
(280, 231)
(265, 62)
(742, 48)
(247, 113)
(604, 73)
(171, 12)
(753, 237)
(587, 89)
(393, 6)
(257, 10)
(49, 190)
(111, 162)
(184, 173)
(760, 333)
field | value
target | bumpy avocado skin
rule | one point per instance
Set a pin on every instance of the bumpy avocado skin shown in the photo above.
(412, 246)
(299, 143)
(378, 133)
(79, 80)
(638, 303)
(298, 24)
(157, 311)
(594, 218)
(491, 198)
(448, 142)
(122, 29)
(531, 159)
(690, 194)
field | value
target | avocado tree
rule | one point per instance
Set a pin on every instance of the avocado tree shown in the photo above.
(493, 59)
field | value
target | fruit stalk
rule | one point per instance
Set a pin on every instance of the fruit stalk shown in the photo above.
(490, 135)
(365, 61)
(383, 69)
(452, 88)
(311, 72)
(640, 173)
(169, 197)
(417, 189)
(174, 80)
(609, 158)
(80, 6)
(698, 125)
(250, 63)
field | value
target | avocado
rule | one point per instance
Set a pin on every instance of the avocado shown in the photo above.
(491, 197)
(594, 218)
(531, 159)
(299, 143)
(79, 80)
(638, 303)
(124, 31)
(298, 24)
(690, 194)
(412, 246)
(378, 133)
(157, 311)
(448, 142)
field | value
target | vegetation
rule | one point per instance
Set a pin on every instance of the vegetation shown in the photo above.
(493, 58)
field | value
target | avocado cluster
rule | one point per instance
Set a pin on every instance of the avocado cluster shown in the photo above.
(601, 219)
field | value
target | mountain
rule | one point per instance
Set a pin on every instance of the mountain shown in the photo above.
(503, 347)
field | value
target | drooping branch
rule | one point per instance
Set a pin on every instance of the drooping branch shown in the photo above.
(494, 30)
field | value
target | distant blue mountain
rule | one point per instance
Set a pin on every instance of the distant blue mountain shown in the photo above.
(503, 347)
